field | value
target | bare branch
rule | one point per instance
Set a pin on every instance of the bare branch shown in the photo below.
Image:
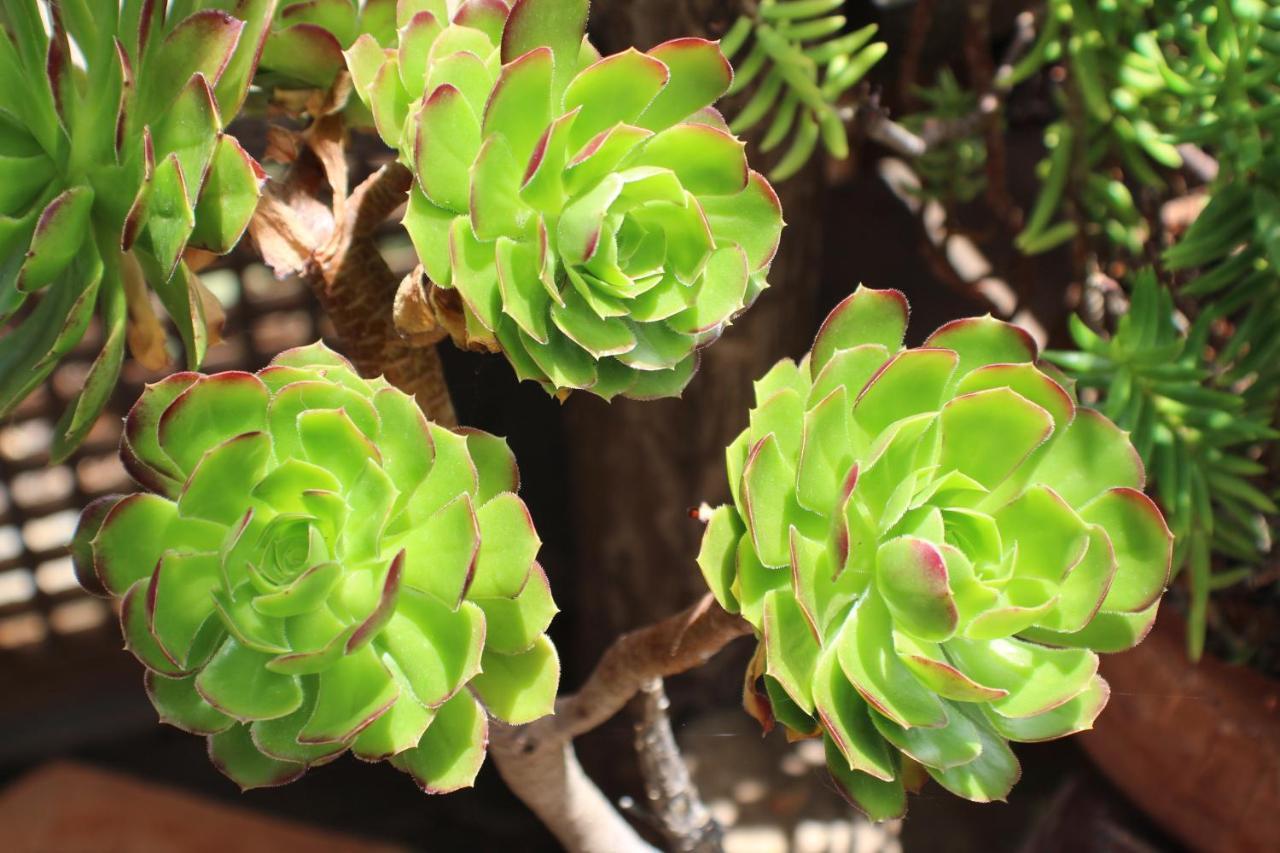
(877, 125)
(537, 760)
(957, 260)
(334, 250)
(676, 644)
(1199, 163)
(918, 29)
(984, 78)
(358, 291)
(546, 776)
(673, 800)
(672, 797)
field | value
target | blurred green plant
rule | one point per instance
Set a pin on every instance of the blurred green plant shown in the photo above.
(1141, 77)
(802, 62)
(951, 171)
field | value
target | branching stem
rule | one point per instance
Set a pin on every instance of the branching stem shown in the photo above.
(537, 760)
(333, 247)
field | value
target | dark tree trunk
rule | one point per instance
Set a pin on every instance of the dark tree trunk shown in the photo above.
(637, 467)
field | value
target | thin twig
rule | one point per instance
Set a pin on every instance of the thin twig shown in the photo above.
(674, 645)
(1077, 117)
(875, 124)
(1198, 162)
(956, 259)
(673, 801)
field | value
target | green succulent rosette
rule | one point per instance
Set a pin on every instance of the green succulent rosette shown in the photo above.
(596, 217)
(113, 162)
(315, 568)
(932, 544)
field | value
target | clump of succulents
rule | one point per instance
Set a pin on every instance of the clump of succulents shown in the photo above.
(932, 545)
(114, 162)
(315, 568)
(597, 218)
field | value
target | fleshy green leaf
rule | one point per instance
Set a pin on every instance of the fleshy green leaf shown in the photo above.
(883, 680)
(1143, 547)
(865, 317)
(984, 340)
(512, 625)
(877, 799)
(237, 683)
(450, 753)
(520, 688)
(228, 199)
(233, 753)
(508, 545)
(912, 577)
(178, 704)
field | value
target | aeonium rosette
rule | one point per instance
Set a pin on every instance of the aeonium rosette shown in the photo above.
(932, 545)
(595, 216)
(316, 568)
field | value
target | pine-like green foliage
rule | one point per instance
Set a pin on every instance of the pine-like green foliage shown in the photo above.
(931, 544)
(595, 215)
(315, 568)
(112, 163)
(802, 64)
(1142, 76)
(1196, 422)
(951, 171)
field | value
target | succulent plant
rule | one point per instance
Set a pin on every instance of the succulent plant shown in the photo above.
(1198, 415)
(316, 568)
(114, 162)
(932, 544)
(596, 217)
(307, 38)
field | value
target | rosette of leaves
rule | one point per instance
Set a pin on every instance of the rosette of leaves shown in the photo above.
(932, 545)
(802, 62)
(596, 218)
(315, 568)
(113, 163)
(1196, 422)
